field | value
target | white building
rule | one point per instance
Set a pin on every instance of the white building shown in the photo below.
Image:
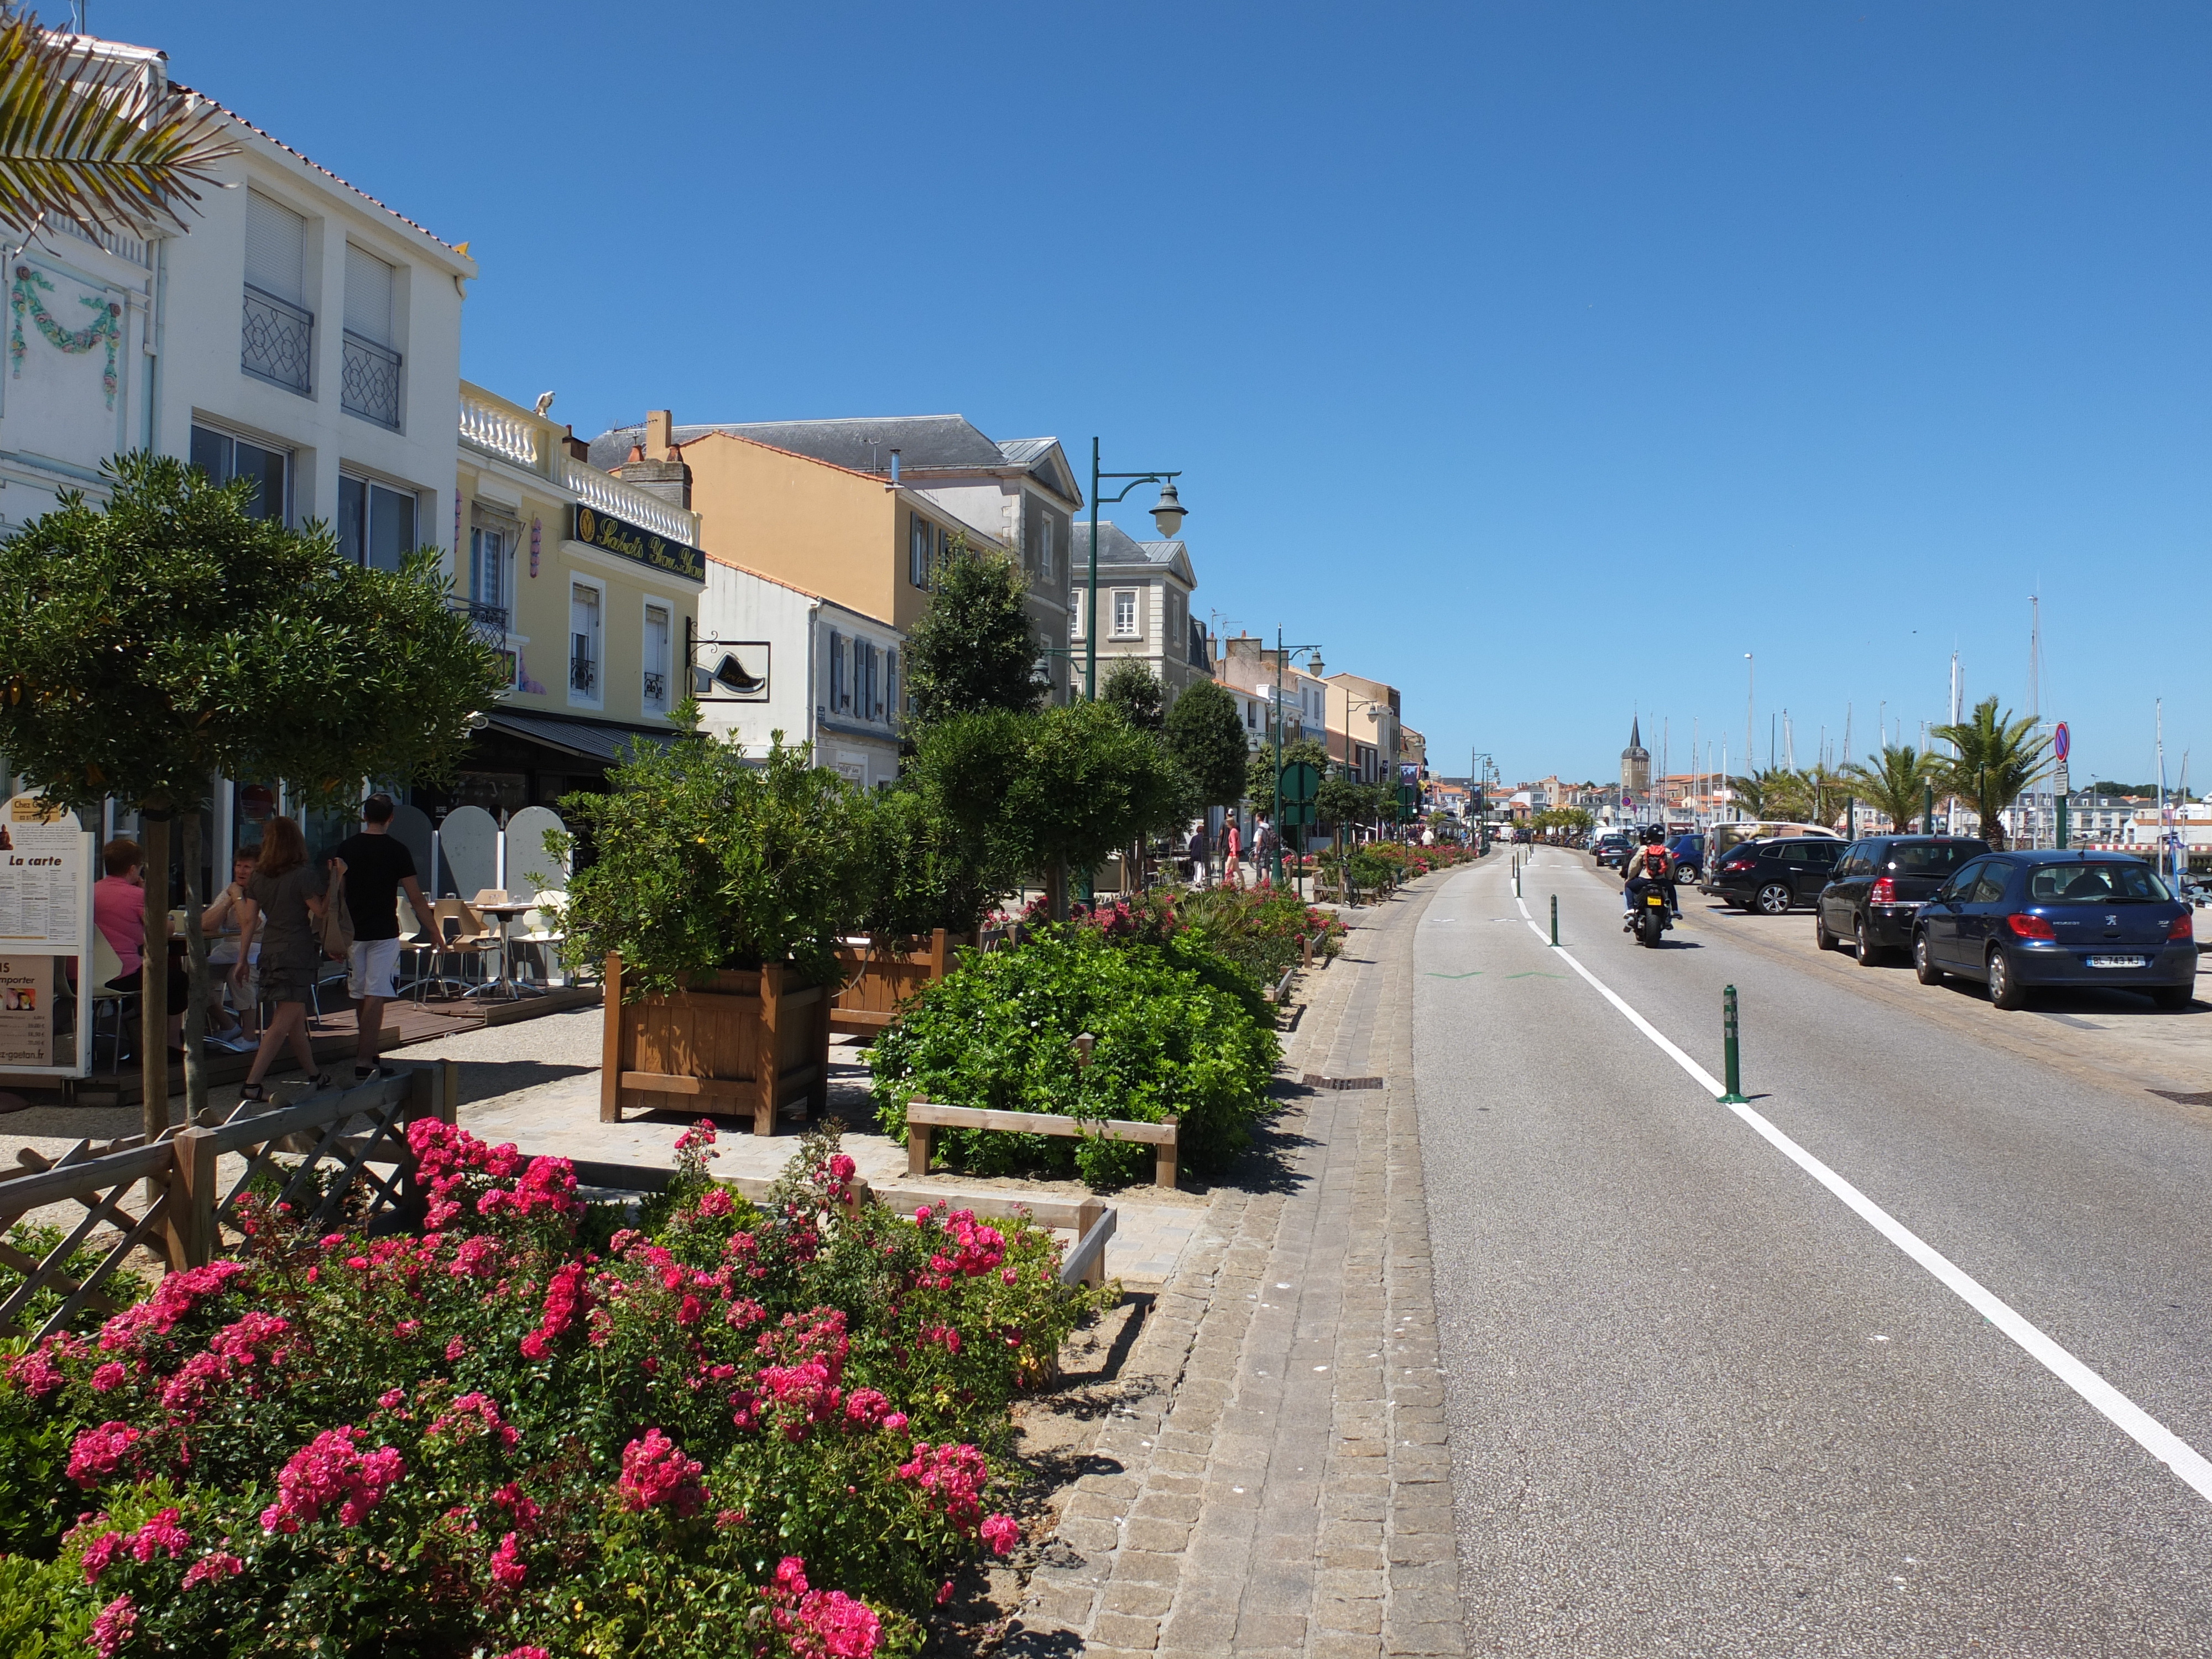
(297, 332)
(775, 658)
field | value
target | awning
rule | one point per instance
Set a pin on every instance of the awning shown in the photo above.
(602, 741)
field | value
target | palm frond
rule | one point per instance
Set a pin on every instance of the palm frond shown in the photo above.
(92, 142)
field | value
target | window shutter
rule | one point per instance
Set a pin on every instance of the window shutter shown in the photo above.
(275, 249)
(367, 296)
(891, 680)
(829, 670)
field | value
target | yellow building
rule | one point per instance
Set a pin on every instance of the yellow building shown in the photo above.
(588, 585)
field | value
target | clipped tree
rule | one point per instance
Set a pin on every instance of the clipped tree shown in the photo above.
(1134, 688)
(170, 636)
(973, 648)
(1896, 784)
(1998, 759)
(1260, 769)
(1207, 736)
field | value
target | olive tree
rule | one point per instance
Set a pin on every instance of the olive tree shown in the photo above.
(151, 644)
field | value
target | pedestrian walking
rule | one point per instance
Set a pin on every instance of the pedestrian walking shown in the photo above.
(376, 865)
(280, 911)
(1199, 854)
(1231, 844)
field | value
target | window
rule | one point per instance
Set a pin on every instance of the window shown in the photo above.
(277, 341)
(1044, 546)
(224, 459)
(376, 524)
(1125, 616)
(584, 654)
(489, 548)
(920, 545)
(1075, 613)
(891, 682)
(368, 379)
(835, 670)
(654, 691)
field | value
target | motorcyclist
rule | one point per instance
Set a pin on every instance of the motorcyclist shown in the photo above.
(1650, 866)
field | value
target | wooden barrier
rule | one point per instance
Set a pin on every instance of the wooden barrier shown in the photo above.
(745, 1041)
(879, 979)
(923, 1119)
(185, 1219)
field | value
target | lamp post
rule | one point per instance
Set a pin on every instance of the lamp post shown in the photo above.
(1168, 515)
(1281, 656)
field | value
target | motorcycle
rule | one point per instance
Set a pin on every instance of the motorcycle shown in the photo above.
(1650, 916)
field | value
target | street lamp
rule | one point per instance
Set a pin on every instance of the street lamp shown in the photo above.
(1168, 515)
(1312, 653)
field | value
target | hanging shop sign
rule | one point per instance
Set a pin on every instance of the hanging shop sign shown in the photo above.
(626, 540)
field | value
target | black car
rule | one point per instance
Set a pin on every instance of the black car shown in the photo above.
(2021, 919)
(1878, 887)
(1775, 875)
(1612, 849)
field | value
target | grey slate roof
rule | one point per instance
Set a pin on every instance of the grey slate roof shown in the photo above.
(925, 442)
(1120, 550)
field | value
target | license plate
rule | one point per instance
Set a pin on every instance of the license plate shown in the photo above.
(2116, 962)
(1655, 901)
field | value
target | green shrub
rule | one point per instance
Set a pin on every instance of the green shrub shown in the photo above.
(34, 1240)
(999, 1033)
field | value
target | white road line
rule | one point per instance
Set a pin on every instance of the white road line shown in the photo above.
(2131, 1418)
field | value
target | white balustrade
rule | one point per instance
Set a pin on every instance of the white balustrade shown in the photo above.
(604, 493)
(489, 428)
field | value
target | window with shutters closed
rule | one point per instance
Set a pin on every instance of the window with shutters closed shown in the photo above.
(277, 338)
(369, 372)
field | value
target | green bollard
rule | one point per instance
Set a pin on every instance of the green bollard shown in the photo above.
(1731, 1058)
(1555, 921)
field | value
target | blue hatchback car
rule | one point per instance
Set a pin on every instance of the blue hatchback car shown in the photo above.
(2020, 921)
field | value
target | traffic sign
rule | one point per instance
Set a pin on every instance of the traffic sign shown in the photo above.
(1297, 812)
(1300, 781)
(2062, 741)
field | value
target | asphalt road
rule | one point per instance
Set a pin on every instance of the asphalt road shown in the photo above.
(1698, 1405)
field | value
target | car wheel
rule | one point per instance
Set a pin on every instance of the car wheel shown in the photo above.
(2006, 991)
(1773, 899)
(2174, 998)
(1821, 937)
(1869, 955)
(1923, 962)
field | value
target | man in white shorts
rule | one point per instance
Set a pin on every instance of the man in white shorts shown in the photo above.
(376, 866)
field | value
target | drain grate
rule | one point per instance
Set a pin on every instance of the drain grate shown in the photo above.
(1315, 1081)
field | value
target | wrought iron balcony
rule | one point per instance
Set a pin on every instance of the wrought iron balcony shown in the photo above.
(583, 673)
(368, 381)
(490, 620)
(656, 688)
(277, 341)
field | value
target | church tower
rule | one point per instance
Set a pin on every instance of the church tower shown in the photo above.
(1635, 763)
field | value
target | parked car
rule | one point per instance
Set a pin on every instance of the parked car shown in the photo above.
(1722, 838)
(1688, 853)
(1774, 877)
(2018, 921)
(1612, 849)
(1878, 887)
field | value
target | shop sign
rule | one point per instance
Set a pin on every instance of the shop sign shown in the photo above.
(618, 536)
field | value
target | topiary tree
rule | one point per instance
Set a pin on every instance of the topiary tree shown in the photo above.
(170, 636)
(1134, 688)
(973, 649)
(1207, 736)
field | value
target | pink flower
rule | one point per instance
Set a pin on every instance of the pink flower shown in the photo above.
(952, 1474)
(107, 1376)
(565, 1299)
(98, 1453)
(474, 1413)
(1000, 1532)
(391, 1397)
(35, 1372)
(715, 1201)
(220, 1564)
(455, 1349)
(163, 1534)
(655, 1475)
(846, 1629)
(114, 1626)
(100, 1554)
(176, 1295)
(865, 1408)
(894, 1421)
(328, 1469)
(507, 1569)
(524, 1653)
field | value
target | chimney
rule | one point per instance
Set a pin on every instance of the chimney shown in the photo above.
(656, 465)
(574, 448)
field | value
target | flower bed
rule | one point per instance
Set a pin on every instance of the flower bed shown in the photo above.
(728, 1430)
(1179, 1031)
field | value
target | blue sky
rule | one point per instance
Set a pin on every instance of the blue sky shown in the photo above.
(1542, 360)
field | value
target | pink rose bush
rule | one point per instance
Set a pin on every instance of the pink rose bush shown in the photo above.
(533, 1430)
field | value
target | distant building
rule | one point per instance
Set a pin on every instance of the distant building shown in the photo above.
(1636, 763)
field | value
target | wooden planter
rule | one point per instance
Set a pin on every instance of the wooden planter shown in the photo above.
(877, 980)
(748, 1041)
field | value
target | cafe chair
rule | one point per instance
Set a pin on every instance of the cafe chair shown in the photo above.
(106, 966)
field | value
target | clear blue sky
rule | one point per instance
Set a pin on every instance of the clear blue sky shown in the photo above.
(1484, 335)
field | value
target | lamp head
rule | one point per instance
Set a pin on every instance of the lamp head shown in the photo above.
(1313, 663)
(1170, 513)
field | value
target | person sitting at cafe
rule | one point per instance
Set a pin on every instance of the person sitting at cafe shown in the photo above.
(118, 910)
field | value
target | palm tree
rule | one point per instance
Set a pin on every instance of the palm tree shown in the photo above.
(1897, 786)
(1998, 759)
(82, 139)
(1771, 794)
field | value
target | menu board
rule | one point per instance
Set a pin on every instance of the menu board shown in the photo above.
(46, 921)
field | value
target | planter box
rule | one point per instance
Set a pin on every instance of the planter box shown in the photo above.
(746, 1041)
(877, 980)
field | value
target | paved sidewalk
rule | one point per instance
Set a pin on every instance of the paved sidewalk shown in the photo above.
(1278, 1481)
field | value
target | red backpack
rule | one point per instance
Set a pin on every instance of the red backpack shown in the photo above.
(1656, 862)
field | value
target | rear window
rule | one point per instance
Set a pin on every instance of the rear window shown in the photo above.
(1928, 859)
(2094, 883)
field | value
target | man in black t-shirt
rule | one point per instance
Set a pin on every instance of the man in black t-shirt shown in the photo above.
(376, 865)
